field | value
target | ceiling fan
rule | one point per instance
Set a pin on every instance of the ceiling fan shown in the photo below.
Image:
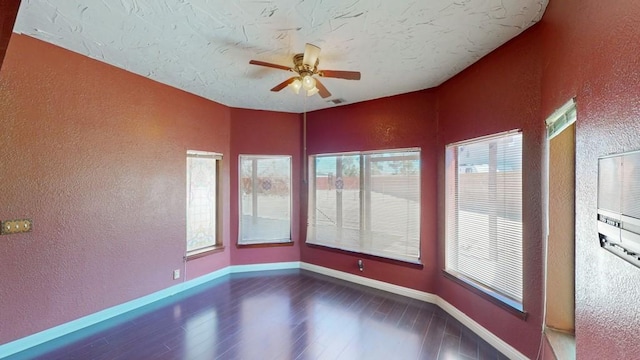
(306, 67)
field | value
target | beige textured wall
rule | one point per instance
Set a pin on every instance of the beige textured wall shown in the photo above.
(560, 248)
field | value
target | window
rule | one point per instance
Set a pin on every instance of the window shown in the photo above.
(202, 193)
(265, 199)
(367, 203)
(484, 215)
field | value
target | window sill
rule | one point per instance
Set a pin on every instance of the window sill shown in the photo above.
(264, 245)
(204, 252)
(563, 344)
(368, 256)
(484, 294)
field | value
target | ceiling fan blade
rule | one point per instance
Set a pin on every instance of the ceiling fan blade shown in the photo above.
(275, 66)
(349, 75)
(284, 84)
(322, 91)
(311, 53)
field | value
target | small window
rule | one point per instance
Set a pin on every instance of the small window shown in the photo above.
(265, 199)
(202, 202)
(484, 215)
(367, 203)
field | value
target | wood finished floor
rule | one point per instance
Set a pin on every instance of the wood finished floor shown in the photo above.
(288, 314)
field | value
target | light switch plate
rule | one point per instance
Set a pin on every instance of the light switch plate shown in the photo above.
(16, 226)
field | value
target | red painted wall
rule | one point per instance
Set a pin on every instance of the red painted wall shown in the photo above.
(402, 121)
(96, 157)
(265, 133)
(8, 13)
(109, 226)
(591, 52)
(586, 49)
(501, 92)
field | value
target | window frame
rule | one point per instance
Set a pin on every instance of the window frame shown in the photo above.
(270, 242)
(217, 244)
(451, 180)
(406, 260)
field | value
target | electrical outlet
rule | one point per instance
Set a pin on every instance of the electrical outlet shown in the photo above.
(15, 226)
(176, 274)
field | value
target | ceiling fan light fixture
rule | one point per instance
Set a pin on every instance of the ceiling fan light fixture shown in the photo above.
(308, 82)
(310, 57)
(305, 66)
(312, 91)
(296, 85)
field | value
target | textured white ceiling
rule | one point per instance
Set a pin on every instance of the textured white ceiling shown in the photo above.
(204, 46)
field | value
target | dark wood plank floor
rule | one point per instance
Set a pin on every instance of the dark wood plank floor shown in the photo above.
(288, 314)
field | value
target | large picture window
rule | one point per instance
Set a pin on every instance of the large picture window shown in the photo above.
(484, 214)
(366, 202)
(202, 204)
(265, 199)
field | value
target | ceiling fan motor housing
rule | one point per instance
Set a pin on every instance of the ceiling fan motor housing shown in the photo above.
(303, 69)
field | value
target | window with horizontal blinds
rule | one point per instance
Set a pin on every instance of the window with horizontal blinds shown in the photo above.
(202, 203)
(484, 214)
(265, 199)
(366, 202)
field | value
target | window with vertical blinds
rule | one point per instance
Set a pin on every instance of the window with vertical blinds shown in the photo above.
(484, 214)
(265, 199)
(366, 202)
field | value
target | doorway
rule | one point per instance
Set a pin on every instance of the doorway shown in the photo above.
(559, 319)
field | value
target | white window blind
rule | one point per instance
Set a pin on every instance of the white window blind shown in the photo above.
(265, 199)
(484, 214)
(367, 203)
(202, 186)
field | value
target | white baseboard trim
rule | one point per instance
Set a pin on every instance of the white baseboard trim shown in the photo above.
(506, 349)
(44, 336)
(376, 284)
(485, 334)
(264, 267)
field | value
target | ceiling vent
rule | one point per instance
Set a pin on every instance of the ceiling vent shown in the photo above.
(336, 101)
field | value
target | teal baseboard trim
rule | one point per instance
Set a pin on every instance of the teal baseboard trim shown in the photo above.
(44, 336)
